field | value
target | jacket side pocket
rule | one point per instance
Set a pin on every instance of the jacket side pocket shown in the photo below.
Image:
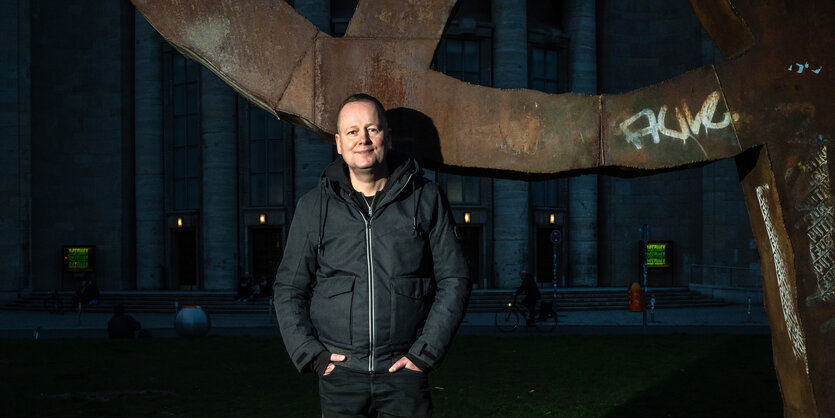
(411, 300)
(330, 310)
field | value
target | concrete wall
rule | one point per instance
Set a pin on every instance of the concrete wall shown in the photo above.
(79, 140)
(643, 42)
(726, 231)
(670, 203)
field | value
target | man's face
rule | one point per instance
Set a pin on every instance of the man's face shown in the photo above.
(363, 138)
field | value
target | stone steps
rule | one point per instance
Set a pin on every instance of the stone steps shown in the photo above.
(481, 301)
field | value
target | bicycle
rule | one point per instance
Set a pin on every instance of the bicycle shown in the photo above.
(507, 319)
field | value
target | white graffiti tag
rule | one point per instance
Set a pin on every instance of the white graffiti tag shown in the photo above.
(689, 126)
(787, 300)
(816, 201)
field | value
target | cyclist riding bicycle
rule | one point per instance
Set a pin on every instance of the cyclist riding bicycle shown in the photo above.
(529, 288)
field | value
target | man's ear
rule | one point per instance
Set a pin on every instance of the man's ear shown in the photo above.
(338, 144)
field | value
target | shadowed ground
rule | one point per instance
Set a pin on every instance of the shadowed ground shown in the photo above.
(563, 376)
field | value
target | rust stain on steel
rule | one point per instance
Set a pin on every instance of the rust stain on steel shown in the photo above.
(770, 105)
(413, 19)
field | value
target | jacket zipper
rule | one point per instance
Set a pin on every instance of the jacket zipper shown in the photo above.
(370, 265)
(369, 257)
(369, 261)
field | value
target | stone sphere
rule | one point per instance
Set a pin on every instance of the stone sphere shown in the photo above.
(192, 321)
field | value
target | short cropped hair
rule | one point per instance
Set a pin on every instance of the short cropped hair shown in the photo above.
(362, 97)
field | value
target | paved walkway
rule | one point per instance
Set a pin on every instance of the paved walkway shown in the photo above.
(725, 319)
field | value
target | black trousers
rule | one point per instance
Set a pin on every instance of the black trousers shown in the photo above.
(349, 393)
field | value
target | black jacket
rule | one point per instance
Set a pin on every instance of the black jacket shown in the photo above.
(373, 288)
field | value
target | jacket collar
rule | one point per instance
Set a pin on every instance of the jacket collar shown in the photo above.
(401, 169)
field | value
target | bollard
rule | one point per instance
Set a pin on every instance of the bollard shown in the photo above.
(748, 315)
(37, 333)
(652, 309)
(79, 313)
(270, 316)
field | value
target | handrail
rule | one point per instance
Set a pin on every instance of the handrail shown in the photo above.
(757, 275)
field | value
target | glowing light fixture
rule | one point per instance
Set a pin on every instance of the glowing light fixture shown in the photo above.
(262, 218)
(466, 217)
(551, 218)
(179, 222)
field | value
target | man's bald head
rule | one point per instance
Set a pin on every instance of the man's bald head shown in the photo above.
(362, 97)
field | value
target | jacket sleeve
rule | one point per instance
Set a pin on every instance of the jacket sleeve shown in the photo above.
(452, 284)
(292, 287)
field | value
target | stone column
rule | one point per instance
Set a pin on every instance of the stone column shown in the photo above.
(15, 173)
(150, 239)
(581, 236)
(511, 229)
(311, 154)
(218, 217)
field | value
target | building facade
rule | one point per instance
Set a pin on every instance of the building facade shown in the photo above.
(117, 145)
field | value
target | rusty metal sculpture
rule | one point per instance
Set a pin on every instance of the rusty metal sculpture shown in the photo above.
(770, 105)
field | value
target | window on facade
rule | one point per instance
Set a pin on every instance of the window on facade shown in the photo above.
(185, 109)
(462, 58)
(545, 193)
(463, 189)
(266, 158)
(543, 69)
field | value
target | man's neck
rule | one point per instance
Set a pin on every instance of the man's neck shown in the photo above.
(369, 182)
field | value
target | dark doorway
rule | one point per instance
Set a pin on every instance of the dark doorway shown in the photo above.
(545, 255)
(185, 258)
(471, 243)
(267, 250)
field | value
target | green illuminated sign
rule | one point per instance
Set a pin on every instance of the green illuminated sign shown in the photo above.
(658, 254)
(78, 258)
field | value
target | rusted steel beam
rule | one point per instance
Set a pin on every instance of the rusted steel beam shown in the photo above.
(771, 105)
(788, 106)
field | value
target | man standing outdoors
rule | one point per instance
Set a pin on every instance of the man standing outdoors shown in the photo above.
(373, 283)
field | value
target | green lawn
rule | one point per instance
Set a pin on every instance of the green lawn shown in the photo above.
(555, 376)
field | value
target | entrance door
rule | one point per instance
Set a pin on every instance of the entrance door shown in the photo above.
(471, 244)
(545, 256)
(185, 258)
(266, 253)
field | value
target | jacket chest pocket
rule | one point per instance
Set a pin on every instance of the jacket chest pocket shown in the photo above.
(406, 245)
(330, 310)
(411, 299)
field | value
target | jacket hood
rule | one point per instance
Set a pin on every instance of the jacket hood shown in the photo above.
(337, 184)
